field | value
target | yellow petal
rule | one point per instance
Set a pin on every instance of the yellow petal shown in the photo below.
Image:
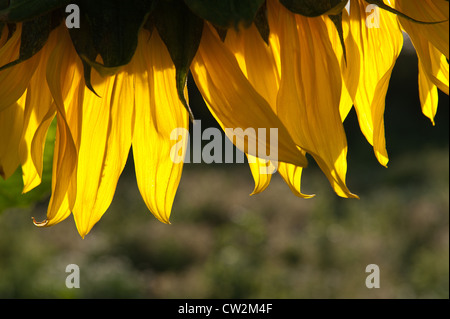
(235, 103)
(59, 207)
(372, 52)
(292, 175)
(434, 64)
(159, 113)
(11, 124)
(63, 73)
(346, 103)
(309, 97)
(38, 115)
(105, 139)
(261, 170)
(14, 80)
(253, 55)
(260, 64)
(432, 46)
(428, 11)
(428, 94)
(257, 62)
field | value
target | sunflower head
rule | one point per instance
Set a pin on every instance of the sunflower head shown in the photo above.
(113, 73)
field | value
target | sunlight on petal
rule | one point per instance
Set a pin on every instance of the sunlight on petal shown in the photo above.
(158, 113)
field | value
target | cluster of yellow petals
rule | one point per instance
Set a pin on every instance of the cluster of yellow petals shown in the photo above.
(299, 82)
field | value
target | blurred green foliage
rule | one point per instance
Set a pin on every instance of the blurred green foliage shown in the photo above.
(223, 243)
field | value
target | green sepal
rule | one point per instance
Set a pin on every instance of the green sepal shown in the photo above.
(221, 32)
(23, 10)
(34, 35)
(84, 46)
(12, 27)
(108, 28)
(382, 5)
(261, 22)
(181, 32)
(226, 13)
(149, 25)
(314, 8)
(114, 26)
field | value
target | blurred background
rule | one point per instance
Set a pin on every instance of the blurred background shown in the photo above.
(224, 243)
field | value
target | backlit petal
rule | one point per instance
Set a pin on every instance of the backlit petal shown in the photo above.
(427, 11)
(432, 47)
(235, 103)
(63, 76)
(309, 97)
(105, 141)
(38, 115)
(259, 63)
(292, 175)
(346, 103)
(433, 74)
(14, 80)
(428, 94)
(368, 73)
(11, 124)
(159, 113)
(262, 173)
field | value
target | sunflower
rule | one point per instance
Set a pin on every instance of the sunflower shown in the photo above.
(115, 81)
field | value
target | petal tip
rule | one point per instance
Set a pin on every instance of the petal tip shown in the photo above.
(40, 224)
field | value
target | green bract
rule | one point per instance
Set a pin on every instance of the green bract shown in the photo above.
(35, 33)
(226, 13)
(314, 8)
(22, 10)
(181, 31)
(108, 28)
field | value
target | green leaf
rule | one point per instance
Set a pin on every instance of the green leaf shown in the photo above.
(226, 13)
(314, 8)
(181, 32)
(22, 10)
